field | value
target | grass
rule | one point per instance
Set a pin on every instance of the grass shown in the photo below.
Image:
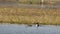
(29, 16)
(37, 2)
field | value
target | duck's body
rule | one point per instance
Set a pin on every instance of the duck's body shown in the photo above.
(37, 24)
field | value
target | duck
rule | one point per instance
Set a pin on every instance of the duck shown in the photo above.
(37, 24)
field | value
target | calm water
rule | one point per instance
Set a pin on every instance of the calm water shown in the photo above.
(24, 29)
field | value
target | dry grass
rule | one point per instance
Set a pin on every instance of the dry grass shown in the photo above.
(29, 16)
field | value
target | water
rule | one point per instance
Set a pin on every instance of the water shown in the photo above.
(24, 29)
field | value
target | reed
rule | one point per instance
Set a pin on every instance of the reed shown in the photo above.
(29, 16)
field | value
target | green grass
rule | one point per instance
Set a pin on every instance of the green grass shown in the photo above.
(38, 2)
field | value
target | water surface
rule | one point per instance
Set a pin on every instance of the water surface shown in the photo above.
(24, 29)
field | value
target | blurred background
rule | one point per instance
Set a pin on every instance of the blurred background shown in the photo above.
(32, 1)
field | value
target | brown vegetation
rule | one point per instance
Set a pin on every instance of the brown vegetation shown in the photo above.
(29, 16)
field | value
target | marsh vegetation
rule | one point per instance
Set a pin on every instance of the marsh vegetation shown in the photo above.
(29, 16)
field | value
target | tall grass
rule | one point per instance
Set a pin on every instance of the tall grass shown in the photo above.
(29, 16)
(39, 2)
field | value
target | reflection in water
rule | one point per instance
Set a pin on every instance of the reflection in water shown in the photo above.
(23, 29)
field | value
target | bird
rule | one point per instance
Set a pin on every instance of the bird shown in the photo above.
(37, 24)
